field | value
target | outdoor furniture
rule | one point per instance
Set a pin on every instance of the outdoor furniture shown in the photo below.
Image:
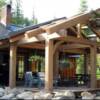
(28, 79)
(42, 77)
(56, 81)
(32, 79)
(82, 79)
(77, 80)
(36, 79)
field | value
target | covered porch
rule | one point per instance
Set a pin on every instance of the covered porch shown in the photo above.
(55, 38)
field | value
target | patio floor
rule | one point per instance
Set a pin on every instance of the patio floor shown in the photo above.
(58, 89)
(23, 92)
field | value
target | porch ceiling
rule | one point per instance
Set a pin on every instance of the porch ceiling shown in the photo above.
(69, 48)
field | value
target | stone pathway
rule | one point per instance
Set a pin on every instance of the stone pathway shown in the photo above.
(57, 94)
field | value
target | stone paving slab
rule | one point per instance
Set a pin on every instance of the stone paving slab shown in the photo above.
(58, 93)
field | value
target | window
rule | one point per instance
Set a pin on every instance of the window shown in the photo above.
(20, 67)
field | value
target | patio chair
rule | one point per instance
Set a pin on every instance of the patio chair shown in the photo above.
(36, 79)
(28, 79)
(57, 81)
(42, 77)
(32, 79)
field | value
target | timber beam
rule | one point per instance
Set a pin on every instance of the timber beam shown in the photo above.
(12, 65)
(93, 53)
(75, 51)
(34, 45)
(16, 38)
(4, 44)
(77, 40)
(34, 32)
(49, 65)
(63, 37)
(96, 31)
(30, 40)
(82, 19)
(41, 37)
(79, 35)
(74, 46)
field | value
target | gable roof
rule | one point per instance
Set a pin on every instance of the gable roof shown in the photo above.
(52, 26)
(82, 19)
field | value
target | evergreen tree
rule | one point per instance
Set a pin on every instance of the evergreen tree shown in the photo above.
(83, 6)
(27, 22)
(80, 65)
(18, 17)
(80, 61)
(2, 3)
(17, 14)
(34, 19)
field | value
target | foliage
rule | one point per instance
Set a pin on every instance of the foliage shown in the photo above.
(98, 73)
(40, 63)
(80, 65)
(83, 6)
(36, 58)
(98, 67)
(87, 31)
(26, 22)
(98, 60)
(95, 14)
(2, 3)
(64, 63)
(34, 19)
(80, 61)
(95, 19)
(17, 14)
(18, 17)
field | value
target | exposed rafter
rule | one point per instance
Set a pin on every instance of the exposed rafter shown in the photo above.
(82, 19)
(41, 37)
(16, 38)
(79, 35)
(96, 31)
(30, 40)
(74, 30)
(34, 32)
(4, 43)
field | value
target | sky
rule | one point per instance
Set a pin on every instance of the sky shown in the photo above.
(49, 9)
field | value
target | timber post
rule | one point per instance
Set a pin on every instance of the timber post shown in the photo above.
(93, 52)
(49, 65)
(12, 66)
(87, 63)
(55, 64)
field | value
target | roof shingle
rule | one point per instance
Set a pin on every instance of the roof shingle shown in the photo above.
(13, 30)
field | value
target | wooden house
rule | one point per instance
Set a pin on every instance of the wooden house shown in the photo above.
(50, 39)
